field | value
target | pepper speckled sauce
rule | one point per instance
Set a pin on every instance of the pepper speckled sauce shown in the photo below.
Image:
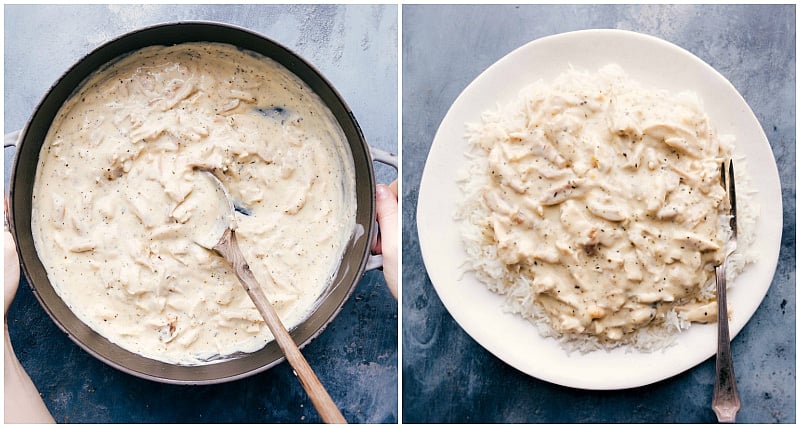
(113, 199)
(594, 203)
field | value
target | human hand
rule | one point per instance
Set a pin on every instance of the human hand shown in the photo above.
(387, 240)
(22, 402)
(11, 269)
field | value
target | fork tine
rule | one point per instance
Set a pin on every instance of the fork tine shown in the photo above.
(722, 176)
(732, 197)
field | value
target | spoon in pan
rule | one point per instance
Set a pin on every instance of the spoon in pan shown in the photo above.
(214, 229)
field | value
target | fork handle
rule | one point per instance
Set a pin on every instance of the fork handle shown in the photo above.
(726, 397)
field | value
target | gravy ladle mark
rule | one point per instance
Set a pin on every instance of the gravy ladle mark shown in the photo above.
(222, 240)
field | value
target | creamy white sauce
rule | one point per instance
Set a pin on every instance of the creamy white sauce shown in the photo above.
(211, 208)
(116, 193)
(598, 201)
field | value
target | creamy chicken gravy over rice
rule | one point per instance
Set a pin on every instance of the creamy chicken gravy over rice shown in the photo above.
(116, 190)
(595, 206)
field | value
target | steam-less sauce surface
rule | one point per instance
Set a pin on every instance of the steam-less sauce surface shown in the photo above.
(117, 199)
(595, 203)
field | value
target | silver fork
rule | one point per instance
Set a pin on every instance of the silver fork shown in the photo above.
(726, 398)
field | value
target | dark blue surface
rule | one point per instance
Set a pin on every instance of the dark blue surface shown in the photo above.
(355, 47)
(447, 376)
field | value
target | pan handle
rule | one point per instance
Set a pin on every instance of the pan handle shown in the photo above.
(10, 140)
(384, 157)
(375, 261)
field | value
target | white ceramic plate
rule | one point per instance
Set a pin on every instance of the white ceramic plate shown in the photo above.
(653, 62)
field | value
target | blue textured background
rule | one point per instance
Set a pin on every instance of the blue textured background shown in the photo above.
(355, 47)
(447, 376)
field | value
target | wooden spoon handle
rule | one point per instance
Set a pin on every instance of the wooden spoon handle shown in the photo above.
(327, 409)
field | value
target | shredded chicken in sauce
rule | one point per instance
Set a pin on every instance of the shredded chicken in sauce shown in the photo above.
(115, 194)
(597, 200)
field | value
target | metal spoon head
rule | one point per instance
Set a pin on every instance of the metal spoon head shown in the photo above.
(213, 212)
